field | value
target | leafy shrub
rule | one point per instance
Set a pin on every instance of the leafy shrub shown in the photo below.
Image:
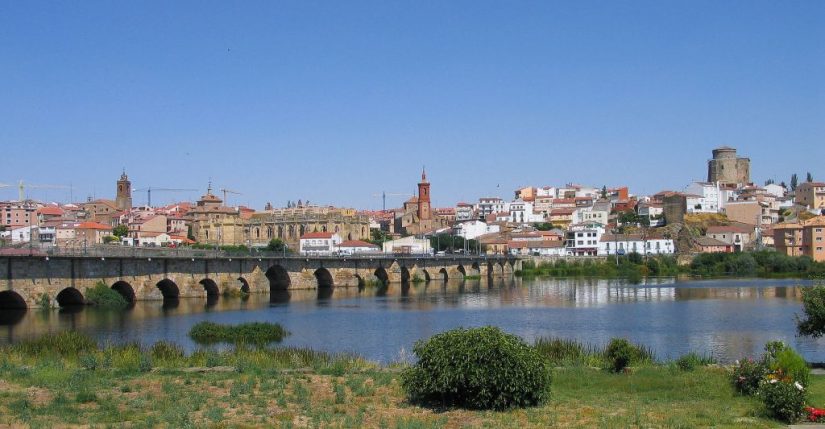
(105, 297)
(691, 361)
(783, 400)
(620, 353)
(257, 333)
(746, 376)
(813, 305)
(481, 368)
(791, 364)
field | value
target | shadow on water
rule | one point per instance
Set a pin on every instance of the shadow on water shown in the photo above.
(279, 297)
(71, 309)
(211, 301)
(325, 294)
(171, 303)
(11, 316)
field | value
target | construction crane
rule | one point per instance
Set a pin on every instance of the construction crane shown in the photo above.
(150, 189)
(383, 195)
(22, 186)
(228, 191)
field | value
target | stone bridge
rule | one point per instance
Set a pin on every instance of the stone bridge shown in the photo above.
(29, 281)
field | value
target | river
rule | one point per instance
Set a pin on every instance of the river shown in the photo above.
(729, 318)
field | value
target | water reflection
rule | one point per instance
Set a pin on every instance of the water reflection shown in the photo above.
(728, 318)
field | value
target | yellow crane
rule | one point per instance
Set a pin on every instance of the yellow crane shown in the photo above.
(22, 186)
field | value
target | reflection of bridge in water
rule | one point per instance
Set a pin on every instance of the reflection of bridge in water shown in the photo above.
(27, 281)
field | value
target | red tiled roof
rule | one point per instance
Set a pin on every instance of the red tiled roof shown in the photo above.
(357, 243)
(93, 225)
(51, 211)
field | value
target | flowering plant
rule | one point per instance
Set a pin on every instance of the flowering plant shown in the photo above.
(783, 399)
(815, 414)
(746, 376)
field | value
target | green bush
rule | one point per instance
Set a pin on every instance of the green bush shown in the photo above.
(691, 361)
(620, 353)
(746, 376)
(791, 364)
(105, 297)
(481, 368)
(783, 400)
(166, 351)
(256, 333)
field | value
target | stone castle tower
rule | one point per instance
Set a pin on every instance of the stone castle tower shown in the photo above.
(424, 198)
(727, 168)
(124, 193)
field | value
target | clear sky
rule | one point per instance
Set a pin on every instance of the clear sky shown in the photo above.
(336, 101)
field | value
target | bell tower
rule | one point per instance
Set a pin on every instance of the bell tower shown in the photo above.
(124, 193)
(424, 198)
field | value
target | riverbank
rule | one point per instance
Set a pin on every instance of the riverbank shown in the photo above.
(48, 385)
(634, 266)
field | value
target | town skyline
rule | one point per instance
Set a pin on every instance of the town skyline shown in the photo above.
(296, 101)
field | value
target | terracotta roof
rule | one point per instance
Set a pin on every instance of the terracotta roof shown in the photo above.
(93, 225)
(544, 244)
(51, 211)
(719, 229)
(317, 235)
(357, 243)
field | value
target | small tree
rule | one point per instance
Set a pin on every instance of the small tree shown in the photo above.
(794, 181)
(813, 305)
(120, 231)
(809, 178)
(276, 245)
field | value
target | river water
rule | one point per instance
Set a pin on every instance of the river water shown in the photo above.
(729, 319)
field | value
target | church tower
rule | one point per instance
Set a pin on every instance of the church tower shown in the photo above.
(424, 198)
(124, 193)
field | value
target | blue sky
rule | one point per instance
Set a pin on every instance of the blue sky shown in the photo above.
(336, 101)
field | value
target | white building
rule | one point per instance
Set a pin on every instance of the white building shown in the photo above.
(775, 190)
(319, 243)
(472, 229)
(408, 245)
(653, 211)
(489, 205)
(464, 212)
(521, 212)
(597, 213)
(583, 239)
(536, 248)
(704, 197)
(610, 244)
(355, 247)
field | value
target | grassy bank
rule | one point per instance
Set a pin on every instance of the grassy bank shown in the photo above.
(70, 381)
(634, 266)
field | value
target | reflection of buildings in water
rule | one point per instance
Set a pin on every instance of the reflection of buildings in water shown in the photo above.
(785, 292)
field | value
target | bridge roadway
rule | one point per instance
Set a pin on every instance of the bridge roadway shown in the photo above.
(60, 280)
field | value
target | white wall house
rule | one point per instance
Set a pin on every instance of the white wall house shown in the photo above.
(319, 243)
(775, 190)
(472, 229)
(355, 247)
(490, 205)
(593, 214)
(537, 248)
(654, 212)
(610, 244)
(408, 245)
(703, 197)
(583, 239)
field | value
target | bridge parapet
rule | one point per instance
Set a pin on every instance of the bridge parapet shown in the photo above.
(34, 280)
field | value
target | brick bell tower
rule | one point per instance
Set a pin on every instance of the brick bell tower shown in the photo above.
(424, 198)
(124, 193)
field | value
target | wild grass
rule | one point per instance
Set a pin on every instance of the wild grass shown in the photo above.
(256, 333)
(563, 352)
(103, 296)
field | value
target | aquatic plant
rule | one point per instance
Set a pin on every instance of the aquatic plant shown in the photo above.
(103, 296)
(256, 333)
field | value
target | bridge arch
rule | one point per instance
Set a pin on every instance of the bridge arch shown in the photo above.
(244, 285)
(11, 300)
(444, 274)
(168, 289)
(462, 270)
(427, 277)
(361, 282)
(324, 278)
(69, 297)
(278, 278)
(125, 290)
(382, 276)
(210, 287)
(405, 275)
(476, 269)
